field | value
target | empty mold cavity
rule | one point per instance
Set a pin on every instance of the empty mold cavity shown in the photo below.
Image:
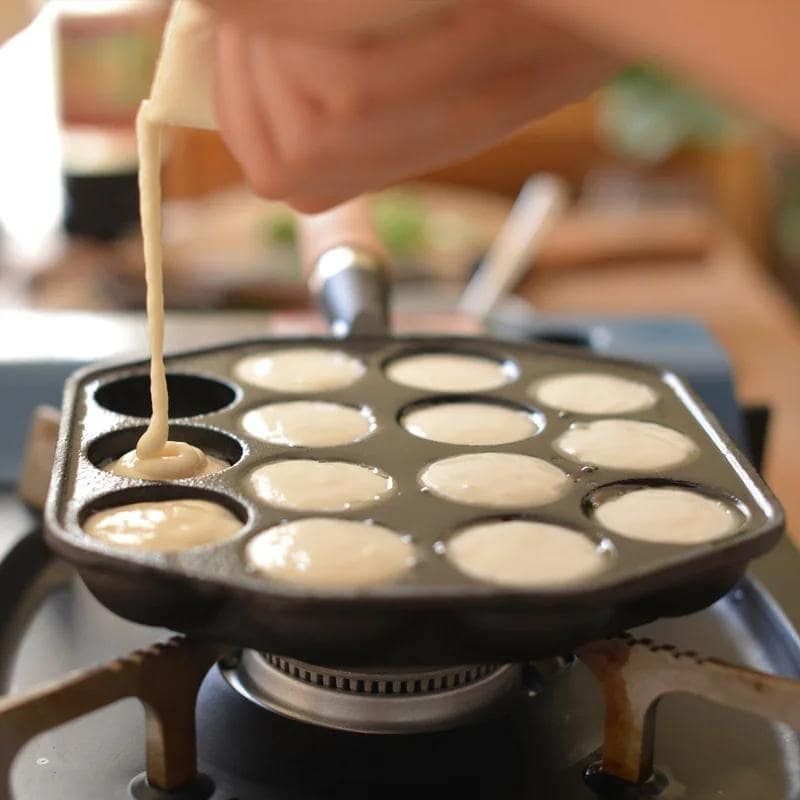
(162, 519)
(189, 395)
(470, 421)
(111, 446)
(665, 512)
(527, 553)
(450, 371)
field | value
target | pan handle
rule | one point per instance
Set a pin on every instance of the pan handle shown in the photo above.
(346, 268)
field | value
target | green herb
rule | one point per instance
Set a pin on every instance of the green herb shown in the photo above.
(281, 229)
(400, 221)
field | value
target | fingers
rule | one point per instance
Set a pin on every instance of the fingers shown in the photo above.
(317, 123)
(326, 19)
(242, 125)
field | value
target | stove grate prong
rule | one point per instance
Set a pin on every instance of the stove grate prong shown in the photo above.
(637, 673)
(165, 678)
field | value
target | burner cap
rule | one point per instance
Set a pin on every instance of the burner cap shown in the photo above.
(371, 701)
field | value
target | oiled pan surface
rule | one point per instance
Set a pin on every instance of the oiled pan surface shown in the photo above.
(434, 613)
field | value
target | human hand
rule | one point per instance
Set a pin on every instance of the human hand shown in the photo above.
(321, 102)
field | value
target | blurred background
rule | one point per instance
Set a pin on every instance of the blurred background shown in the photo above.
(678, 204)
(647, 148)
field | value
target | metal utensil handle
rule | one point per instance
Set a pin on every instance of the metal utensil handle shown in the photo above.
(541, 201)
(637, 673)
(346, 268)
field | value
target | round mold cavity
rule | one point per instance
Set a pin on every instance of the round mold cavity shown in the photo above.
(189, 395)
(518, 414)
(212, 442)
(162, 491)
(626, 445)
(330, 553)
(157, 493)
(523, 552)
(724, 514)
(447, 371)
(319, 486)
(308, 423)
(593, 393)
(495, 479)
(299, 369)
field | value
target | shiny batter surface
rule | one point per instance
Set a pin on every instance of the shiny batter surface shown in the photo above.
(300, 369)
(175, 461)
(593, 393)
(164, 526)
(672, 516)
(469, 423)
(502, 480)
(330, 553)
(526, 554)
(308, 423)
(306, 485)
(450, 372)
(626, 445)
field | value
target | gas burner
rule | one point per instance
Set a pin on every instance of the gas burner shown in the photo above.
(372, 700)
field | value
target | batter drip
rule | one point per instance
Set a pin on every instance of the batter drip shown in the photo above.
(155, 457)
(178, 99)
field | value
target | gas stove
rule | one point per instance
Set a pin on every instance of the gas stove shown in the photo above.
(269, 726)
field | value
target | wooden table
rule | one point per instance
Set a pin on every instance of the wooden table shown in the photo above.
(749, 314)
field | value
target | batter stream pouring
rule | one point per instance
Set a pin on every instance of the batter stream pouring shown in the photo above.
(173, 99)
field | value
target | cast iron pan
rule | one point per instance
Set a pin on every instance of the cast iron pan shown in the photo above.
(434, 614)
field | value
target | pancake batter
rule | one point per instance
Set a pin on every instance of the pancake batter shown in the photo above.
(305, 485)
(669, 515)
(330, 553)
(165, 526)
(169, 464)
(526, 554)
(593, 393)
(174, 99)
(501, 480)
(450, 372)
(155, 457)
(307, 423)
(296, 370)
(626, 444)
(469, 423)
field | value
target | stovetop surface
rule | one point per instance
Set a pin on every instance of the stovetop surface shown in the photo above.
(536, 746)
